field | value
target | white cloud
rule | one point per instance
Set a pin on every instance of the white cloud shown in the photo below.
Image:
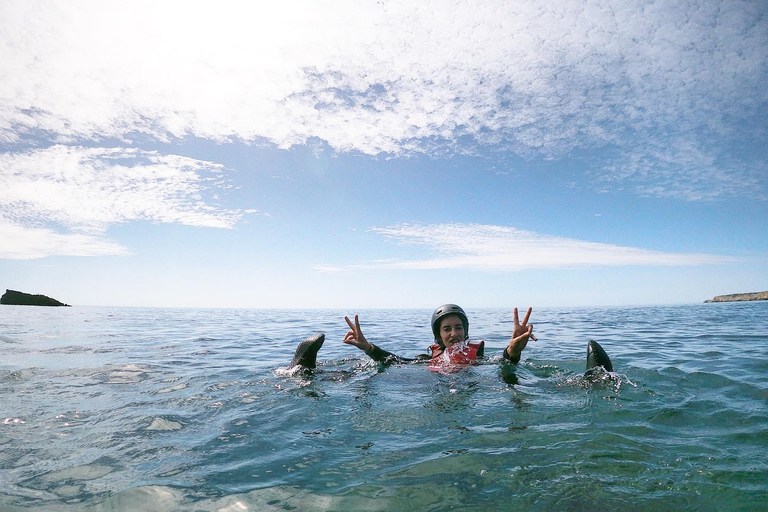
(83, 191)
(499, 248)
(24, 242)
(536, 79)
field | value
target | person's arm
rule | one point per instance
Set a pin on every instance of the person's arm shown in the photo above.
(356, 338)
(520, 336)
(380, 355)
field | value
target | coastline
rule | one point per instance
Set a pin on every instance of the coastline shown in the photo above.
(17, 298)
(739, 297)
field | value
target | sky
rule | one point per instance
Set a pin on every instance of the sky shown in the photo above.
(383, 154)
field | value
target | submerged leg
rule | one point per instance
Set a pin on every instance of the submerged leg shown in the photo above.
(306, 352)
(596, 356)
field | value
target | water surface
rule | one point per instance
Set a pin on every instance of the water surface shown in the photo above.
(182, 409)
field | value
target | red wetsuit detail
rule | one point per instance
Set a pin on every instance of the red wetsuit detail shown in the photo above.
(461, 353)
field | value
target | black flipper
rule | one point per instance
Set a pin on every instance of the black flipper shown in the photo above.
(596, 356)
(306, 352)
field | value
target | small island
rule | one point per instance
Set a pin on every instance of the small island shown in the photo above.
(736, 297)
(14, 298)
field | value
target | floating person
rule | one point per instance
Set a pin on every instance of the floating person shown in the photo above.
(450, 327)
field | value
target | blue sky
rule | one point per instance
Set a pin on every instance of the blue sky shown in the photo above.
(371, 154)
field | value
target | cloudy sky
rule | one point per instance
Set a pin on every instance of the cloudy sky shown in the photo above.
(355, 154)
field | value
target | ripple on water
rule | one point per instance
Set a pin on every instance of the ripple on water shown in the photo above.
(185, 410)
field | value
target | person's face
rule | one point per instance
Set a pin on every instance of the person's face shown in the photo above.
(451, 330)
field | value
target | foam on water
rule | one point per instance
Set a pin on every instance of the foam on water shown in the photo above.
(155, 409)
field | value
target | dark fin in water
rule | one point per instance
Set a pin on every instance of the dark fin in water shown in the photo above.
(596, 356)
(306, 352)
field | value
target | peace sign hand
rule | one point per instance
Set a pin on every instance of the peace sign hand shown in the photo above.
(355, 336)
(520, 336)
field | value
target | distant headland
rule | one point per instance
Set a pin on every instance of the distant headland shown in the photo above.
(14, 298)
(735, 297)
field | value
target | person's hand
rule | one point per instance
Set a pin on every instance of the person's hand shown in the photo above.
(520, 336)
(355, 336)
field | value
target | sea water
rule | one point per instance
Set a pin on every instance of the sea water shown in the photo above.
(193, 409)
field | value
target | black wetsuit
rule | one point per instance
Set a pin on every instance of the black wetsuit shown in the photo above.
(382, 356)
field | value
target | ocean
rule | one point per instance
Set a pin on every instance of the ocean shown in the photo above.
(123, 409)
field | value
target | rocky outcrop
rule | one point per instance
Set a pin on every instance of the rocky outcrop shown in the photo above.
(12, 297)
(739, 297)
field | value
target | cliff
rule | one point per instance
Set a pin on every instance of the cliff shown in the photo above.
(12, 297)
(739, 297)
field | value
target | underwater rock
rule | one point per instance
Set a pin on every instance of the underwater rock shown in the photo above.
(14, 298)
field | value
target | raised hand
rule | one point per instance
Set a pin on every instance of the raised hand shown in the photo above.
(355, 336)
(520, 336)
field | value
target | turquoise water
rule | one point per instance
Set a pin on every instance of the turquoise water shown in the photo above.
(176, 409)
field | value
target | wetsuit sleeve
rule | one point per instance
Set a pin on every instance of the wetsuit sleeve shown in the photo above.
(509, 358)
(382, 356)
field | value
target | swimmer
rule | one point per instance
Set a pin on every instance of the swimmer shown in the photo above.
(450, 327)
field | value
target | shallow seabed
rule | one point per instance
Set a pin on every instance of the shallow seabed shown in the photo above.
(175, 409)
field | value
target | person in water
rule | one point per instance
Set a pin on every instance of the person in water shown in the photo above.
(450, 327)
